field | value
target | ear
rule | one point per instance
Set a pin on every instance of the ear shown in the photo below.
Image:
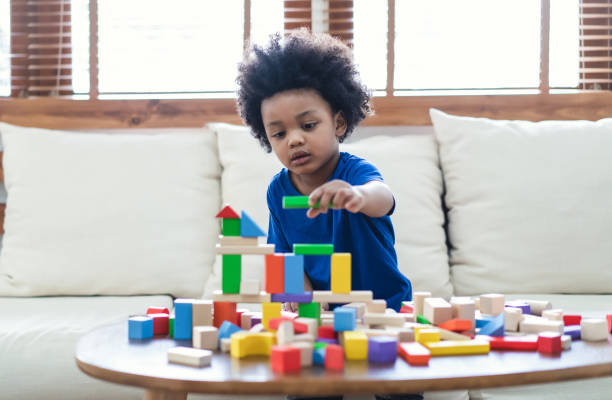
(340, 123)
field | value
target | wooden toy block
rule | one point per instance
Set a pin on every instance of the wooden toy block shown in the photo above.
(205, 337)
(477, 303)
(383, 319)
(360, 308)
(609, 319)
(391, 331)
(495, 327)
(355, 345)
(284, 359)
(311, 325)
(334, 357)
(573, 331)
(326, 296)
(382, 349)
(299, 202)
(183, 319)
(257, 328)
(594, 329)
(538, 306)
(377, 306)
(246, 320)
(171, 326)
(457, 325)
(140, 327)
(425, 335)
(445, 334)
(437, 310)
(250, 286)
(306, 349)
(549, 343)
(304, 337)
(459, 347)
(555, 314)
(223, 311)
(492, 303)
(522, 343)
(230, 226)
(404, 334)
(537, 325)
(225, 345)
(160, 324)
(305, 297)
(275, 273)
(313, 249)
(341, 273)
(227, 212)
(237, 241)
(571, 320)
(407, 308)
(344, 319)
(525, 308)
(270, 310)
(273, 324)
(227, 329)
(202, 312)
(157, 310)
(326, 332)
(245, 344)
(419, 298)
(512, 317)
(248, 227)
(310, 310)
(294, 273)
(318, 355)
(566, 342)
(289, 314)
(284, 333)
(231, 272)
(189, 356)
(262, 297)
(259, 249)
(414, 353)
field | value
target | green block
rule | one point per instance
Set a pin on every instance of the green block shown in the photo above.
(299, 202)
(313, 249)
(319, 345)
(422, 320)
(230, 227)
(171, 326)
(310, 310)
(230, 278)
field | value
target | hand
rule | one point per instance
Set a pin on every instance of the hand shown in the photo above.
(293, 307)
(339, 194)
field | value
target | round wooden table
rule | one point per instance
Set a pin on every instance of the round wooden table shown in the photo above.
(107, 353)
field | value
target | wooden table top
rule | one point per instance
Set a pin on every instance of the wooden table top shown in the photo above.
(107, 353)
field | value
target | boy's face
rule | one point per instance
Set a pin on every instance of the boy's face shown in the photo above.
(303, 132)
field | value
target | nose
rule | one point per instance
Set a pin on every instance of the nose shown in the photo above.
(295, 138)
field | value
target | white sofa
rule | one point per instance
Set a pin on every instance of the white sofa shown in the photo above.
(525, 214)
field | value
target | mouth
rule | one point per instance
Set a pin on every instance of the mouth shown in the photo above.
(299, 158)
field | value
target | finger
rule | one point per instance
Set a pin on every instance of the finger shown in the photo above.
(339, 199)
(315, 197)
(353, 205)
(312, 212)
(326, 198)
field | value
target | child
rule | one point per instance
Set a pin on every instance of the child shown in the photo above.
(301, 97)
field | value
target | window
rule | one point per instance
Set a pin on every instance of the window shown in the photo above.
(5, 64)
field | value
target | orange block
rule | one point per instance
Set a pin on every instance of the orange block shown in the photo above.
(457, 325)
(414, 353)
(275, 273)
(224, 311)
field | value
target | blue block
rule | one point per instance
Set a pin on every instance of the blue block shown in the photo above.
(573, 331)
(294, 273)
(183, 317)
(305, 297)
(248, 227)
(227, 329)
(318, 356)
(495, 327)
(482, 321)
(382, 349)
(140, 327)
(345, 319)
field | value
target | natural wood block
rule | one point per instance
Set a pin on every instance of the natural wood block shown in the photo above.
(262, 297)
(205, 337)
(383, 319)
(189, 356)
(492, 303)
(419, 299)
(593, 329)
(537, 325)
(259, 249)
(202, 312)
(360, 308)
(553, 314)
(376, 306)
(437, 310)
(326, 296)
(238, 241)
(250, 287)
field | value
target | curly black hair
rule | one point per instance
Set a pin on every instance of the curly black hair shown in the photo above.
(302, 60)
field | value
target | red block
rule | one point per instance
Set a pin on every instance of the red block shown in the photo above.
(526, 343)
(227, 212)
(285, 359)
(298, 327)
(326, 332)
(549, 343)
(406, 309)
(157, 310)
(571, 320)
(223, 311)
(609, 318)
(289, 314)
(275, 273)
(457, 325)
(414, 353)
(334, 357)
(160, 323)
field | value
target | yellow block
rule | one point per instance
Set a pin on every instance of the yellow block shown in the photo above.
(270, 310)
(341, 273)
(356, 345)
(425, 335)
(249, 343)
(458, 347)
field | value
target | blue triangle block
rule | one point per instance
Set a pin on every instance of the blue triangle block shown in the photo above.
(248, 227)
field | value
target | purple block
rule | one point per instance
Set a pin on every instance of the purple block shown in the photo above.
(328, 341)
(519, 304)
(573, 331)
(382, 349)
(305, 297)
(255, 321)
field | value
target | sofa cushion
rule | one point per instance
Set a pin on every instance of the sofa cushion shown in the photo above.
(94, 213)
(528, 204)
(409, 165)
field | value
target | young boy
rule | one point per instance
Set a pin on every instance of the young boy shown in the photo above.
(302, 96)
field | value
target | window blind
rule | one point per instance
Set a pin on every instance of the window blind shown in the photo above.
(329, 16)
(40, 50)
(596, 44)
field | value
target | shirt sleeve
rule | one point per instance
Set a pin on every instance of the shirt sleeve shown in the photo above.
(362, 172)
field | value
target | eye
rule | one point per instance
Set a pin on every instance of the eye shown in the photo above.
(278, 135)
(310, 126)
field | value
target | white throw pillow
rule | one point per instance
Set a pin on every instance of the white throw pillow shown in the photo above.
(528, 204)
(108, 214)
(409, 165)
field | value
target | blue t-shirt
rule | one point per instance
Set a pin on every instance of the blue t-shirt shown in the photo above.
(369, 240)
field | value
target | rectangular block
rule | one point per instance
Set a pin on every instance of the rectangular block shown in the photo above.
(458, 347)
(383, 319)
(537, 325)
(341, 273)
(251, 286)
(223, 311)
(275, 273)
(205, 337)
(231, 272)
(521, 343)
(419, 301)
(414, 353)
(261, 297)
(183, 319)
(313, 249)
(305, 297)
(492, 303)
(202, 312)
(259, 249)
(326, 296)
(189, 356)
(294, 273)
(377, 306)
(270, 310)
(238, 241)
(437, 310)
(230, 227)
(310, 310)
(298, 202)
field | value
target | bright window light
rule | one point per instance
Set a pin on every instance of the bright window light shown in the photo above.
(80, 45)
(266, 19)
(5, 48)
(370, 42)
(564, 43)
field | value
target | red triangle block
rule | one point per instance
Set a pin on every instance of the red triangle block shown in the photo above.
(228, 212)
